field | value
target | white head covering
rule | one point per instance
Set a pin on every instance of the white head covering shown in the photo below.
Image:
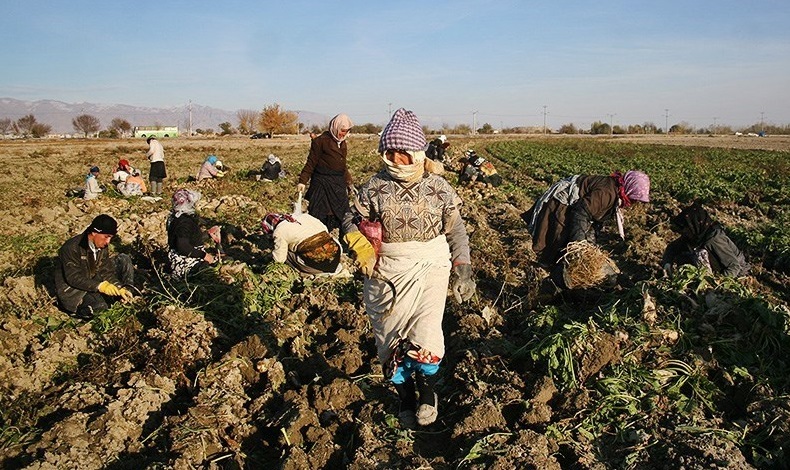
(338, 123)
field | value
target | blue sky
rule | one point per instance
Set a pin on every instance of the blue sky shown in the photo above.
(703, 61)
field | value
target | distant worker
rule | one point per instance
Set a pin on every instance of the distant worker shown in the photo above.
(127, 180)
(437, 148)
(156, 155)
(327, 171)
(87, 275)
(92, 187)
(478, 169)
(272, 168)
(209, 169)
(702, 243)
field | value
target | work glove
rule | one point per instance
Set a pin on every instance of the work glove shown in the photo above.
(464, 286)
(220, 173)
(363, 251)
(300, 188)
(108, 288)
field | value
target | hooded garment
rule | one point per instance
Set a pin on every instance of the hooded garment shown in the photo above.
(404, 133)
(704, 244)
(338, 123)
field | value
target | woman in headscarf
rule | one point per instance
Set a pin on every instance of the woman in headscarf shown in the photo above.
(210, 169)
(327, 171)
(185, 238)
(423, 239)
(702, 243)
(271, 168)
(303, 242)
(573, 208)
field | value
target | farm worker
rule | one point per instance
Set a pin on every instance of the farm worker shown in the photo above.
(569, 210)
(87, 275)
(126, 173)
(477, 168)
(209, 169)
(187, 253)
(271, 168)
(437, 148)
(92, 187)
(423, 239)
(303, 242)
(703, 243)
(156, 155)
(327, 171)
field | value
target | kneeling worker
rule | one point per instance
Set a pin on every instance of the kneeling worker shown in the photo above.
(87, 274)
(303, 242)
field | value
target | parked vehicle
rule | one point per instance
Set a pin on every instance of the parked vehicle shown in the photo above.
(261, 135)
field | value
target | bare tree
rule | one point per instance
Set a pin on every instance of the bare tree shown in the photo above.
(275, 120)
(5, 126)
(40, 129)
(247, 118)
(120, 127)
(24, 125)
(86, 124)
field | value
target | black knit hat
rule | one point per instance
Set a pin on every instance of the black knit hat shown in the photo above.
(103, 224)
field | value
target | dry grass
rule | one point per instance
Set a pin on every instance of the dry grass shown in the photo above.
(586, 265)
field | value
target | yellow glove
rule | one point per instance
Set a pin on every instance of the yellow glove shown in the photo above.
(220, 173)
(126, 294)
(108, 288)
(364, 254)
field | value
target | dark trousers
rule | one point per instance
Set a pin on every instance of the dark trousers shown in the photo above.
(95, 302)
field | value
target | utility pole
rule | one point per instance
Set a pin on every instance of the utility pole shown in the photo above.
(474, 122)
(544, 119)
(666, 120)
(611, 127)
(189, 134)
(762, 115)
(713, 129)
(389, 111)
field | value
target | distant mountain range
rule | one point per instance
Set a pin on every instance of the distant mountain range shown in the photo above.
(59, 115)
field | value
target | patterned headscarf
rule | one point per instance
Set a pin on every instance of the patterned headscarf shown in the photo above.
(403, 132)
(338, 123)
(272, 219)
(184, 201)
(637, 186)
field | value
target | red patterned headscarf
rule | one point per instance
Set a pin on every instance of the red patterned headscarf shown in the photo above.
(272, 219)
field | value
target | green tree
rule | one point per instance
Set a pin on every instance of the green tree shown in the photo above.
(568, 129)
(226, 129)
(599, 127)
(86, 123)
(486, 129)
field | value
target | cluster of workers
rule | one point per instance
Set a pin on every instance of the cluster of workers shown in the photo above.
(406, 235)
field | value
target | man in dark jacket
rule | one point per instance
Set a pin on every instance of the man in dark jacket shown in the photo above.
(703, 243)
(87, 275)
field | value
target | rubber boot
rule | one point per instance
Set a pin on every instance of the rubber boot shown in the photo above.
(429, 401)
(408, 403)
